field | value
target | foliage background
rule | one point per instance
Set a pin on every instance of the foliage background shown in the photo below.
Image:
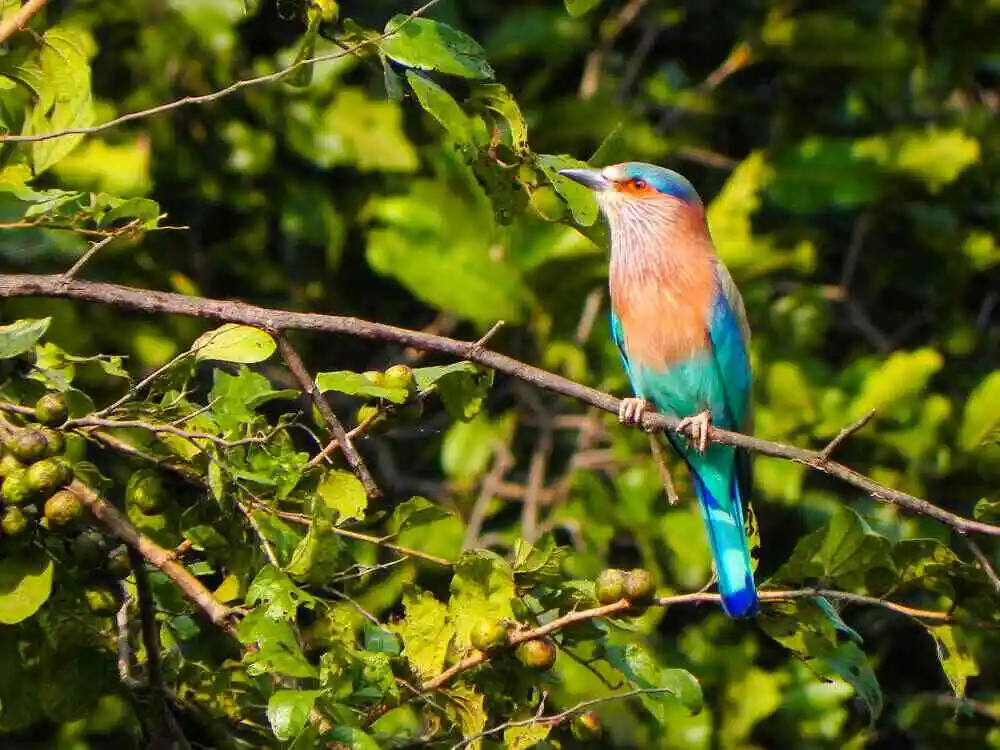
(847, 153)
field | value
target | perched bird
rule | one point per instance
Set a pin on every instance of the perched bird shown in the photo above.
(681, 329)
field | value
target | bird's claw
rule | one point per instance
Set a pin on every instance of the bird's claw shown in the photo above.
(697, 428)
(630, 410)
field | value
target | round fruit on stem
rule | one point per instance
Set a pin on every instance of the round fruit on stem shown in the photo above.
(401, 376)
(639, 586)
(610, 586)
(48, 475)
(27, 445)
(9, 464)
(145, 491)
(16, 489)
(538, 654)
(13, 522)
(51, 409)
(587, 727)
(488, 634)
(56, 442)
(63, 509)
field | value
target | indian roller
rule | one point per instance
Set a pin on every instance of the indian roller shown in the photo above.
(681, 329)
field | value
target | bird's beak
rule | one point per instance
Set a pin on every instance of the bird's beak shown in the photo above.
(591, 178)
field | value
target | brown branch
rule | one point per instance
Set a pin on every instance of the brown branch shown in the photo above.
(215, 95)
(147, 620)
(157, 556)
(28, 285)
(984, 562)
(308, 385)
(476, 658)
(117, 424)
(18, 21)
(98, 246)
(844, 434)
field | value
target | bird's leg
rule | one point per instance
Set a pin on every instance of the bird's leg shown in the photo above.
(630, 410)
(697, 427)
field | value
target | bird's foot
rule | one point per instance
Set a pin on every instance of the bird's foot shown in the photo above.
(630, 410)
(697, 429)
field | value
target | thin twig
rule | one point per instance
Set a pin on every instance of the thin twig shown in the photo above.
(28, 285)
(97, 247)
(664, 470)
(215, 95)
(560, 717)
(18, 21)
(536, 483)
(844, 434)
(309, 387)
(117, 424)
(984, 562)
(131, 392)
(147, 620)
(487, 491)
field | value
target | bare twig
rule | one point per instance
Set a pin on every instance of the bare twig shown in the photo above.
(131, 392)
(844, 434)
(560, 717)
(97, 246)
(536, 483)
(28, 285)
(18, 21)
(309, 387)
(664, 470)
(984, 562)
(138, 424)
(487, 491)
(215, 95)
(147, 620)
(591, 78)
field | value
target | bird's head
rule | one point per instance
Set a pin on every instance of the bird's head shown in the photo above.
(641, 200)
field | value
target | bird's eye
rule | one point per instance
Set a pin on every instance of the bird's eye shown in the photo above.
(638, 184)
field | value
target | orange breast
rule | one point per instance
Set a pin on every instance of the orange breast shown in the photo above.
(664, 307)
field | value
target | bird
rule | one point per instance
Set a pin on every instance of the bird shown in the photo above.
(681, 329)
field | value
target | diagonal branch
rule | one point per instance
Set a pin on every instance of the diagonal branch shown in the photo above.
(20, 19)
(148, 301)
(308, 385)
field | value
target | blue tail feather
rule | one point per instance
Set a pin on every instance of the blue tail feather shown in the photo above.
(730, 551)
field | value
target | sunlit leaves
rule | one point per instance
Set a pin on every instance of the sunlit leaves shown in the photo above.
(356, 384)
(342, 494)
(426, 44)
(288, 711)
(280, 597)
(467, 709)
(482, 587)
(234, 343)
(903, 375)
(642, 670)
(956, 659)
(25, 585)
(20, 336)
(981, 416)
(441, 106)
(426, 632)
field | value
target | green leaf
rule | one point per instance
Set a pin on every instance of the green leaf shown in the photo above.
(642, 670)
(441, 106)
(60, 79)
(449, 265)
(356, 384)
(462, 386)
(845, 549)
(849, 663)
(426, 632)
(495, 97)
(342, 493)
(467, 709)
(380, 640)
(581, 200)
(413, 513)
(482, 587)
(957, 661)
(234, 343)
(901, 376)
(281, 598)
(25, 585)
(934, 155)
(278, 533)
(525, 737)
(539, 564)
(319, 555)
(578, 8)
(982, 413)
(352, 738)
(302, 76)
(21, 335)
(288, 711)
(819, 173)
(426, 44)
